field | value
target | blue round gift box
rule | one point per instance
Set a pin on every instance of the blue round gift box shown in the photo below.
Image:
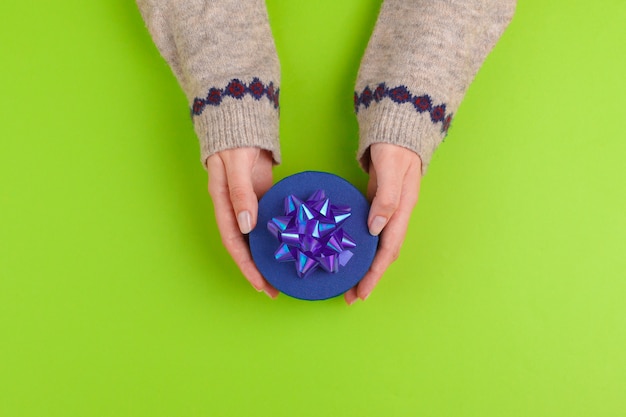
(319, 285)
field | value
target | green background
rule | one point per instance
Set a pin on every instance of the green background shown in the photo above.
(117, 298)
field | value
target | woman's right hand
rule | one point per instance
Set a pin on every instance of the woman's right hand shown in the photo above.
(237, 180)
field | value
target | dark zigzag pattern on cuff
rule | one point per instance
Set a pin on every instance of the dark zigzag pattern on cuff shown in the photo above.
(237, 90)
(401, 94)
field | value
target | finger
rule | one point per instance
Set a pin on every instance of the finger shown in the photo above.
(236, 245)
(371, 184)
(232, 239)
(239, 164)
(393, 236)
(388, 251)
(351, 296)
(389, 183)
(262, 178)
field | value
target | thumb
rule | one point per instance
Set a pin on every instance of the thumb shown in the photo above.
(241, 191)
(388, 190)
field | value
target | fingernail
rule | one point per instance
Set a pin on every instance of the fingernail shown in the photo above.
(268, 294)
(353, 301)
(245, 222)
(377, 225)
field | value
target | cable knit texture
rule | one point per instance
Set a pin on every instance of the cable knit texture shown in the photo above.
(208, 44)
(431, 48)
(418, 65)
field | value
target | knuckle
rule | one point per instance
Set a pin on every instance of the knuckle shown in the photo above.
(230, 243)
(213, 187)
(213, 162)
(238, 192)
(226, 242)
(377, 269)
(392, 253)
(247, 266)
(216, 187)
(387, 203)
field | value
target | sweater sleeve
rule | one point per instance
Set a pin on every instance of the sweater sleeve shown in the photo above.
(223, 55)
(419, 62)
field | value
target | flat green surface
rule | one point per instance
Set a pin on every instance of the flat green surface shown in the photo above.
(117, 298)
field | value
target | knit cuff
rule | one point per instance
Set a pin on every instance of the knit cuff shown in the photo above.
(238, 123)
(398, 124)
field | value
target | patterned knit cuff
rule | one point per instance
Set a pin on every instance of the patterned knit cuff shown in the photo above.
(235, 118)
(395, 116)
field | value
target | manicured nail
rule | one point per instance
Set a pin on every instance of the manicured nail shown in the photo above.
(245, 222)
(377, 225)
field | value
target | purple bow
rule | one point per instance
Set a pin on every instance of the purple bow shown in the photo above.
(310, 233)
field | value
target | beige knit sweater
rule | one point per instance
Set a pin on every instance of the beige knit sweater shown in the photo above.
(418, 65)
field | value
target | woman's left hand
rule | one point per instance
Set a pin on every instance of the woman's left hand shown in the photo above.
(395, 174)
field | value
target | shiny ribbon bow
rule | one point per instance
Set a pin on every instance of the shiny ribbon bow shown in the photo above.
(311, 234)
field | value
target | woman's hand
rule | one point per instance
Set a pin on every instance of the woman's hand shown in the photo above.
(237, 179)
(395, 174)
